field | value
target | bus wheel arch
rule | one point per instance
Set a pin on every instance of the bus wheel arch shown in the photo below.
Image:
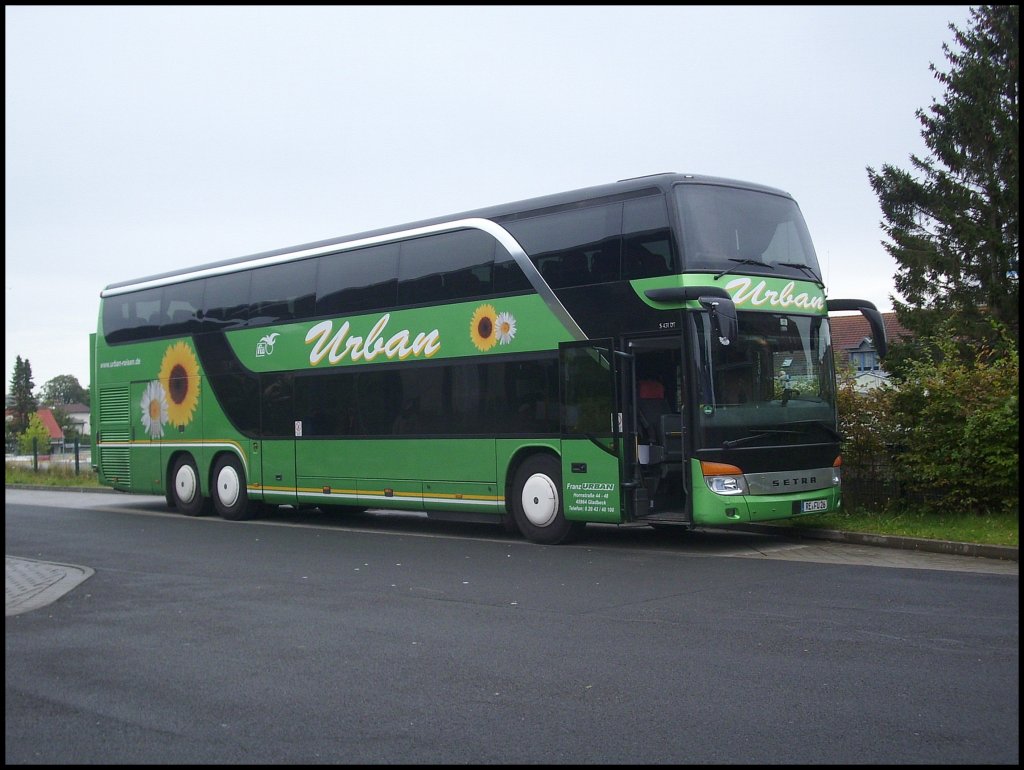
(228, 489)
(184, 487)
(534, 495)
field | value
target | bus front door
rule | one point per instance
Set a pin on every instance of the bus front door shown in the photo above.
(656, 418)
(591, 432)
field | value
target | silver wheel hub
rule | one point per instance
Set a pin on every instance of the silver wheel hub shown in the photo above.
(540, 500)
(228, 486)
(186, 484)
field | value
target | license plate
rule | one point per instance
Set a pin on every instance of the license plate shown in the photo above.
(814, 505)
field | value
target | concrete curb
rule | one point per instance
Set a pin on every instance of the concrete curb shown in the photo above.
(1005, 552)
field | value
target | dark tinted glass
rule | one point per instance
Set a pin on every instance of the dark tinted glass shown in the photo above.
(238, 394)
(444, 267)
(276, 406)
(648, 248)
(357, 281)
(132, 316)
(326, 404)
(226, 302)
(436, 400)
(508, 276)
(574, 247)
(181, 307)
(237, 389)
(281, 293)
(723, 225)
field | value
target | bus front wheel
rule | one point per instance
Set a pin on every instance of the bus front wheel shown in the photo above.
(537, 502)
(185, 491)
(230, 497)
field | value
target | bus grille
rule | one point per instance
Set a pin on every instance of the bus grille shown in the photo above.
(115, 465)
(114, 405)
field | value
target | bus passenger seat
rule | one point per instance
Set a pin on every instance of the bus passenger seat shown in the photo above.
(652, 405)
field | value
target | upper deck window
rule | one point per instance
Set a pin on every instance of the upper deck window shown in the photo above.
(744, 230)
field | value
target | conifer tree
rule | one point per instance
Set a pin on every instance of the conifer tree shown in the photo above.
(952, 221)
(24, 404)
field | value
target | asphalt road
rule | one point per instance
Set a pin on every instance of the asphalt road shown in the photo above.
(313, 638)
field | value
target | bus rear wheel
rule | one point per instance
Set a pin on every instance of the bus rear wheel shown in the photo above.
(230, 498)
(185, 492)
(537, 502)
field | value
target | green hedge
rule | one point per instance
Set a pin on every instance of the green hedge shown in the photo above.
(947, 432)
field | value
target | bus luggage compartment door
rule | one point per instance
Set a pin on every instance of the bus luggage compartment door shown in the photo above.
(591, 432)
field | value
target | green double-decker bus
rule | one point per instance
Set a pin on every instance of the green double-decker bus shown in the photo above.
(652, 350)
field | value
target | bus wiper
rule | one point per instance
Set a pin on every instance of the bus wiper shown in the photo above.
(757, 262)
(823, 425)
(806, 269)
(756, 434)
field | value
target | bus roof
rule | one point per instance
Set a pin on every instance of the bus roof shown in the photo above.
(662, 182)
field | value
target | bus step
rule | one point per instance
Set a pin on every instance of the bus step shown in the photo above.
(665, 517)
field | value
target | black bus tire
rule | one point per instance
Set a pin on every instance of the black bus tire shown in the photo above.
(537, 502)
(230, 497)
(185, 490)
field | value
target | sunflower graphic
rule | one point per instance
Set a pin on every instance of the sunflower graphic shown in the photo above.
(483, 327)
(179, 376)
(154, 409)
(505, 328)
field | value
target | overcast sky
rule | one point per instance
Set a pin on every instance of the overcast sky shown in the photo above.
(143, 139)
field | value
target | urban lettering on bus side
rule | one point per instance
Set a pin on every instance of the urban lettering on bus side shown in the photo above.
(741, 291)
(336, 346)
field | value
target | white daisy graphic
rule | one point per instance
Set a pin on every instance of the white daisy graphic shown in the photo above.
(505, 328)
(154, 409)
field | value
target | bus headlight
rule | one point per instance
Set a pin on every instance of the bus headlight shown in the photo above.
(723, 479)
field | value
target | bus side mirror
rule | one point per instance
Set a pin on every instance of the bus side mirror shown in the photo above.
(869, 311)
(716, 301)
(723, 317)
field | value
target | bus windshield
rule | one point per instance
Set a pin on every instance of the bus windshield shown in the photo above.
(773, 386)
(725, 228)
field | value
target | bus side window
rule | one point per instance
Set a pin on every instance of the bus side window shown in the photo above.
(182, 303)
(226, 301)
(574, 247)
(648, 247)
(508, 275)
(281, 293)
(357, 281)
(446, 266)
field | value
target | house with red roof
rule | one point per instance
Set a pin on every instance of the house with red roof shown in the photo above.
(853, 346)
(56, 434)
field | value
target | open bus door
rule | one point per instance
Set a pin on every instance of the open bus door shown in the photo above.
(591, 432)
(657, 428)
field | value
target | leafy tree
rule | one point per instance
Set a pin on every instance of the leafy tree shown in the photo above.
(63, 389)
(36, 433)
(953, 230)
(24, 403)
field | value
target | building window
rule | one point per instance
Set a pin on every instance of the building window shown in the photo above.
(865, 359)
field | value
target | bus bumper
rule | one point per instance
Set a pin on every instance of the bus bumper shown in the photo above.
(713, 510)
